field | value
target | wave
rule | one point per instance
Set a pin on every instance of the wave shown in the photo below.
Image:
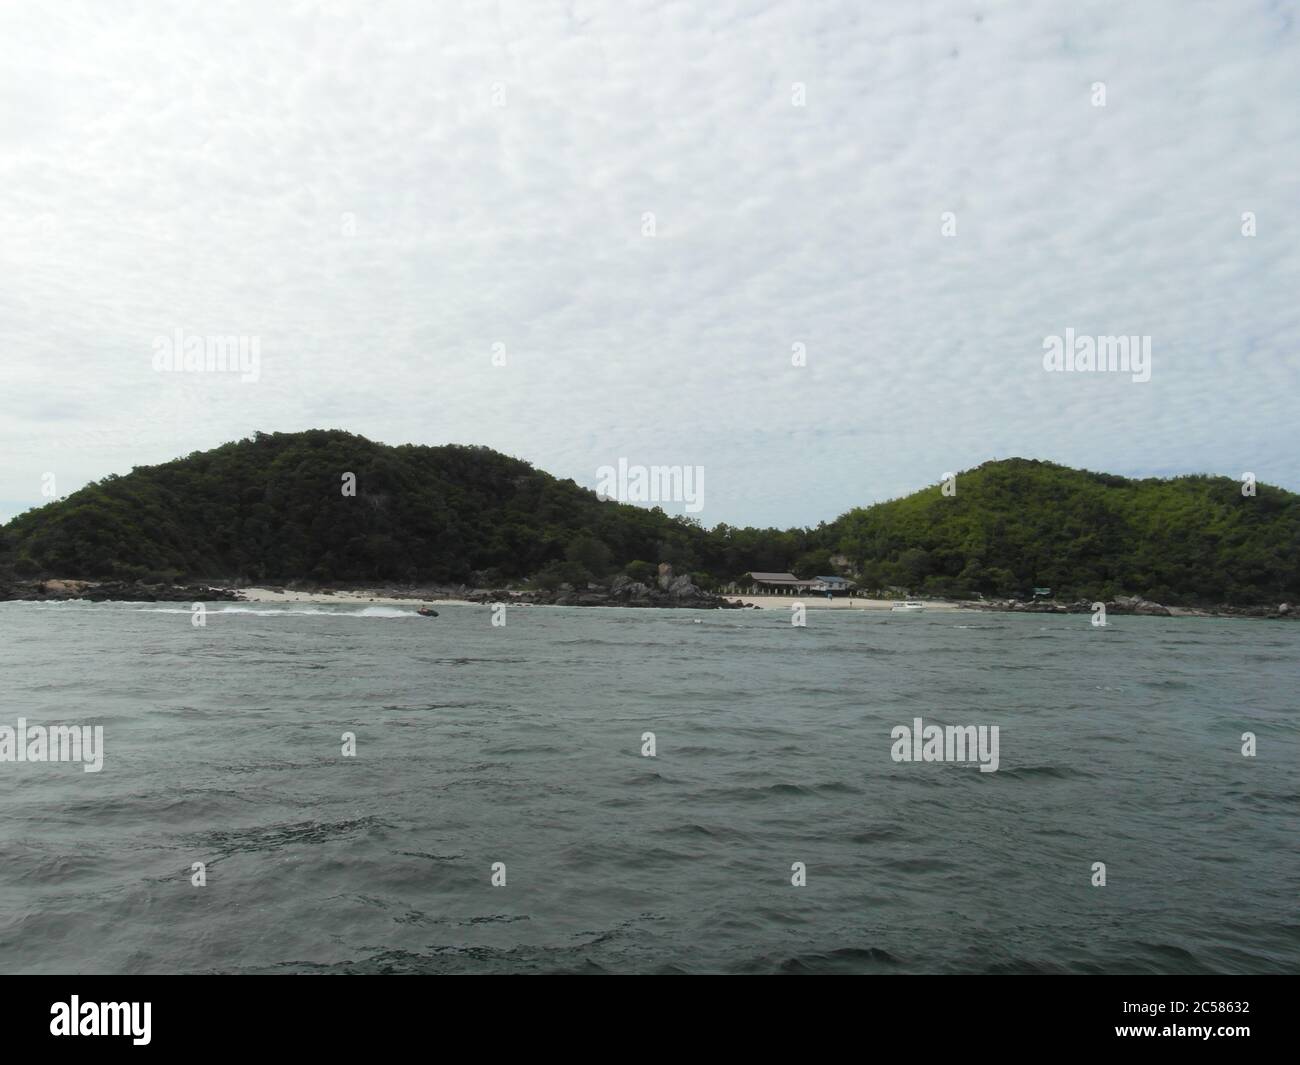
(1052, 772)
(842, 960)
(278, 836)
(294, 611)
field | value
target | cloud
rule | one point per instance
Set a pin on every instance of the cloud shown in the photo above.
(383, 192)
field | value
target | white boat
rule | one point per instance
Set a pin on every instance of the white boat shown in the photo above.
(908, 606)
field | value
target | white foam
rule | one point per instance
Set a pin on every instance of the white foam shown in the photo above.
(293, 611)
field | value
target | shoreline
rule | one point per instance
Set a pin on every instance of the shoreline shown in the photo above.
(812, 602)
(364, 597)
(53, 589)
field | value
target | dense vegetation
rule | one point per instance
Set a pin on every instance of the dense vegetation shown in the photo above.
(273, 508)
(1015, 525)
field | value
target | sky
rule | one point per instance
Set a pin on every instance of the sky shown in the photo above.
(815, 249)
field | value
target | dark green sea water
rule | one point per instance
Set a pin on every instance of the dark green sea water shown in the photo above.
(522, 745)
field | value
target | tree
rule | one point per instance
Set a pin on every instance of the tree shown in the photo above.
(644, 572)
(589, 553)
(814, 564)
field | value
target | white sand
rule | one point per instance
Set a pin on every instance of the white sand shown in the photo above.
(815, 602)
(770, 602)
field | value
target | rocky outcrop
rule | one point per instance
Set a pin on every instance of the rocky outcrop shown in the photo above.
(1131, 605)
(1120, 605)
(665, 575)
(619, 591)
(1283, 611)
(668, 591)
(1135, 604)
(682, 588)
(121, 591)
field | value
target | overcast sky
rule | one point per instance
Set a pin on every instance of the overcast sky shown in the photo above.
(381, 192)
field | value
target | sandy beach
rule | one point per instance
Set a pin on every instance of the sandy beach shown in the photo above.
(815, 602)
(368, 597)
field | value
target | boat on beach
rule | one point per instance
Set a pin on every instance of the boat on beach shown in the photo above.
(909, 606)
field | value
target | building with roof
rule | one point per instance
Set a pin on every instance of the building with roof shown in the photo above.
(774, 583)
(789, 584)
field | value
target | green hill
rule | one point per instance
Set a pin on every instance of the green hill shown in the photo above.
(272, 509)
(1017, 524)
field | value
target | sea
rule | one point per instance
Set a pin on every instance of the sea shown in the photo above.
(356, 789)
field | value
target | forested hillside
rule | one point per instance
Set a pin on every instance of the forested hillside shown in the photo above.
(273, 508)
(1017, 524)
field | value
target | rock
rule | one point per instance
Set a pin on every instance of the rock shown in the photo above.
(682, 587)
(665, 577)
(71, 588)
(120, 591)
(1122, 605)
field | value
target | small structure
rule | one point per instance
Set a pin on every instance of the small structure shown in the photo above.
(776, 584)
(789, 584)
